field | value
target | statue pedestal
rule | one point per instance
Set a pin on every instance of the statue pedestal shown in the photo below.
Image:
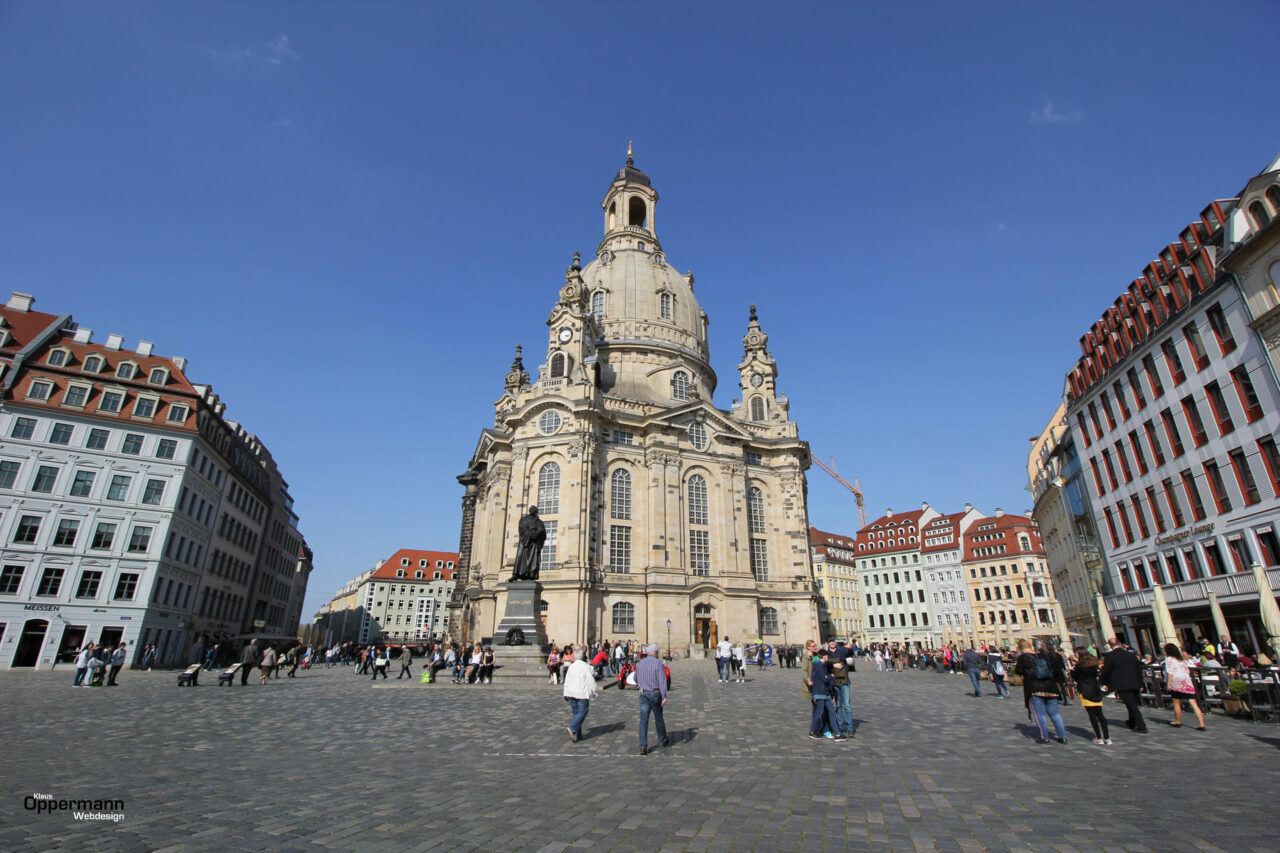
(526, 663)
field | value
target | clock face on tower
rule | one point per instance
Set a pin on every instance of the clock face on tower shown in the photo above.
(566, 334)
(756, 380)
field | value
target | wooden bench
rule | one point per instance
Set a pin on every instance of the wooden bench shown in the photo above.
(227, 676)
(189, 676)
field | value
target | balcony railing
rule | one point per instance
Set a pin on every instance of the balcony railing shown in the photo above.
(1226, 587)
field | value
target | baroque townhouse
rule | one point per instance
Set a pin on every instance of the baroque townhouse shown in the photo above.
(406, 598)
(111, 498)
(891, 576)
(942, 550)
(835, 571)
(1174, 409)
(1010, 592)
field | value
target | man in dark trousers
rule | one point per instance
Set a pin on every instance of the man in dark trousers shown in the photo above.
(248, 659)
(1122, 672)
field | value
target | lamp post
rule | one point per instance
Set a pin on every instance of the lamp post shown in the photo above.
(784, 634)
(668, 636)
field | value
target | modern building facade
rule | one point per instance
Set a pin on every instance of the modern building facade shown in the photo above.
(835, 571)
(664, 513)
(117, 480)
(1065, 517)
(1173, 409)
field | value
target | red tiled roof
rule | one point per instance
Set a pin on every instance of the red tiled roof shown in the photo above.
(395, 563)
(23, 327)
(177, 389)
(893, 527)
(942, 524)
(821, 541)
(1004, 531)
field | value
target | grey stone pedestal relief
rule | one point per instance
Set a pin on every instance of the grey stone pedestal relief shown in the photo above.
(526, 662)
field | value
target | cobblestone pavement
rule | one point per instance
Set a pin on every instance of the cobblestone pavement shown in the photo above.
(326, 761)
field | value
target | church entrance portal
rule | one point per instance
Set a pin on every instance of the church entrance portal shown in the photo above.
(704, 627)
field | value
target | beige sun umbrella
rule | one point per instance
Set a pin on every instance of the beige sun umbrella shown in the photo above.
(1104, 622)
(1165, 632)
(1064, 635)
(1219, 621)
(1270, 610)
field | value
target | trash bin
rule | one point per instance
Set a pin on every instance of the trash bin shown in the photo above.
(940, 665)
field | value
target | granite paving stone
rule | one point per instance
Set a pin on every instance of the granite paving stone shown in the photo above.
(328, 761)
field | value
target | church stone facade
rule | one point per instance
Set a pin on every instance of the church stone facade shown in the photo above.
(666, 516)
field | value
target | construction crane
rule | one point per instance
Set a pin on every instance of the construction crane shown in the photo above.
(855, 487)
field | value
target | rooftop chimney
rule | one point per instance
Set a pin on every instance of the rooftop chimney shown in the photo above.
(181, 363)
(114, 341)
(20, 302)
(144, 348)
(999, 512)
(968, 507)
(83, 335)
(888, 513)
(1027, 513)
(924, 505)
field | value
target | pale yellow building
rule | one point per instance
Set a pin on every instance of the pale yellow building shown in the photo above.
(666, 516)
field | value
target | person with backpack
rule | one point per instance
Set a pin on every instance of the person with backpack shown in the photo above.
(1041, 673)
(995, 666)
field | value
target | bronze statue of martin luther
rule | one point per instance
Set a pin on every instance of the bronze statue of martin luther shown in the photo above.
(533, 533)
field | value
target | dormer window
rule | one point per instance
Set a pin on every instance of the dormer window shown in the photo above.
(422, 564)
(1258, 212)
(404, 561)
(40, 390)
(177, 413)
(126, 370)
(58, 358)
(399, 573)
(417, 575)
(93, 364)
(159, 376)
(680, 385)
(111, 401)
(665, 306)
(145, 407)
(436, 576)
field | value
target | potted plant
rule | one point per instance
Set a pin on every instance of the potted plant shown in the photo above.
(1234, 703)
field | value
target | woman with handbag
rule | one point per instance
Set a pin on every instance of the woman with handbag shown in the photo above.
(1181, 687)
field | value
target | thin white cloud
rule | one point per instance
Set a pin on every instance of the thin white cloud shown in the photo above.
(280, 50)
(1048, 115)
(1000, 226)
(283, 123)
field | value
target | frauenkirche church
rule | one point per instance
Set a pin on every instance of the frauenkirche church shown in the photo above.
(665, 516)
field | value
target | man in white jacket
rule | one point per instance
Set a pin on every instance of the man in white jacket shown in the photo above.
(579, 690)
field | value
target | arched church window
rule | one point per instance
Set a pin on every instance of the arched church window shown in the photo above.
(759, 546)
(698, 436)
(624, 618)
(680, 385)
(757, 408)
(665, 302)
(597, 304)
(620, 494)
(1258, 211)
(755, 510)
(557, 365)
(549, 489)
(613, 216)
(697, 500)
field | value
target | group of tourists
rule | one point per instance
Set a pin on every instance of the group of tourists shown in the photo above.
(98, 664)
(580, 675)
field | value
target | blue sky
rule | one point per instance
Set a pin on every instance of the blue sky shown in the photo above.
(347, 215)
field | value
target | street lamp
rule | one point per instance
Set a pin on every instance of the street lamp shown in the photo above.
(668, 636)
(784, 634)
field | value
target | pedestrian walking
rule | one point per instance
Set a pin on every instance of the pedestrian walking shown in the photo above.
(267, 664)
(1085, 675)
(117, 662)
(248, 658)
(1122, 672)
(380, 663)
(1181, 687)
(724, 658)
(1041, 673)
(579, 690)
(995, 668)
(973, 667)
(82, 665)
(651, 679)
(822, 723)
(406, 663)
